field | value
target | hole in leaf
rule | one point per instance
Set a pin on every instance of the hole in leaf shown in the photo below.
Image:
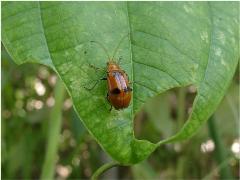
(165, 114)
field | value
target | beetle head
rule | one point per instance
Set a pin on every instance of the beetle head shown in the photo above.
(112, 65)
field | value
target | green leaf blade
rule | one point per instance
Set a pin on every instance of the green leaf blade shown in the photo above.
(22, 33)
(168, 45)
(220, 68)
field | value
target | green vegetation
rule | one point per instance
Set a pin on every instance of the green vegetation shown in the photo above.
(25, 130)
(169, 46)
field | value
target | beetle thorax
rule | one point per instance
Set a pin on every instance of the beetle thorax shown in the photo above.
(112, 66)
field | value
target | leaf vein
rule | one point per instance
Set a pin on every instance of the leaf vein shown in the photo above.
(169, 42)
(145, 86)
(161, 70)
(26, 37)
(44, 35)
(19, 12)
(130, 38)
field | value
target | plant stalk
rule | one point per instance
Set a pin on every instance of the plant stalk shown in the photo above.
(55, 123)
(220, 152)
(102, 169)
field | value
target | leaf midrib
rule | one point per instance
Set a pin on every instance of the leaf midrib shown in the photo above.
(132, 67)
(43, 31)
(211, 39)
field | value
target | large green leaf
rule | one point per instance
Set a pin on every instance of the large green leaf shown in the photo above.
(169, 44)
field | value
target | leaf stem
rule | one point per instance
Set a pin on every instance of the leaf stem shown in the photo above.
(220, 153)
(55, 123)
(102, 169)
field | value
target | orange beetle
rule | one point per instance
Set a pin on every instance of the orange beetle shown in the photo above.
(119, 92)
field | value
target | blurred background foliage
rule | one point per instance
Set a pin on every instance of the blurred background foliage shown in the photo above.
(27, 101)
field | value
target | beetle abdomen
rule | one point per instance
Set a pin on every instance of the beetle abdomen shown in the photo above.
(119, 93)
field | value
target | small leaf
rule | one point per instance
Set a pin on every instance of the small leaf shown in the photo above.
(169, 44)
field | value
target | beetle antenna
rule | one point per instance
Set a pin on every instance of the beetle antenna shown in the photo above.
(120, 42)
(102, 46)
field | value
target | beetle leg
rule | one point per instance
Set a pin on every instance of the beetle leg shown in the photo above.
(110, 108)
(109, 102)
(129, 88)
(91, 88)
(119, 60)
(95, 68)
(107, 97)
(97, 81)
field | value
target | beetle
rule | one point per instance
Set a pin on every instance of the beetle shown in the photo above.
(119, 91)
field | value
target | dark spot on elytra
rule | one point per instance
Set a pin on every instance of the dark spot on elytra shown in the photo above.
(115, 91)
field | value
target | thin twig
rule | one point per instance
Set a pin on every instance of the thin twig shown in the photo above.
(102, 169)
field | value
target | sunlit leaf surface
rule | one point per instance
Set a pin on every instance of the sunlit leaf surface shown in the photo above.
(168, 44)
